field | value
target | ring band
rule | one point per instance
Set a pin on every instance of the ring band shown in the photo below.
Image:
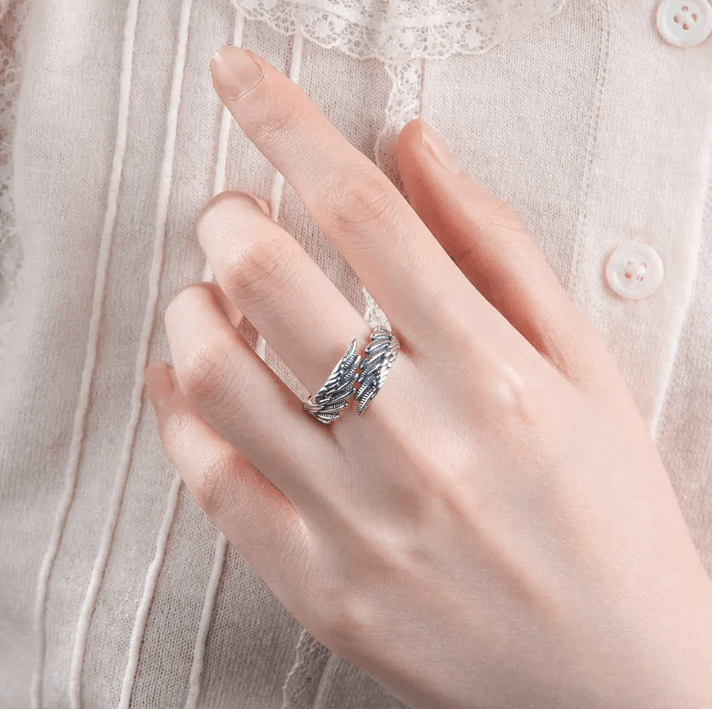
(381, 352)
(326, 405)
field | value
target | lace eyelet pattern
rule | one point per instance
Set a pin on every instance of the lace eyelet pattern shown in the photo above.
(401, 30)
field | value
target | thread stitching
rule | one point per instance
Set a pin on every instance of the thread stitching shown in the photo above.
(121, 475)
(71, 470)
(209, 599)
(149, 590)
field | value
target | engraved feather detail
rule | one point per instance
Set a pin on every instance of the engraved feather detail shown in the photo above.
(326, 405)
(381, 352)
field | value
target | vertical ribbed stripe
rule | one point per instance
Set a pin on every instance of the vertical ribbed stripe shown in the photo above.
(201, 638)
(149, 589)
(71, 471)
(166, 174)
(688, 287)
(226, 124)
(206, 615)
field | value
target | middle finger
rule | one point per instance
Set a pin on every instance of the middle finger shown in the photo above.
(394, 254)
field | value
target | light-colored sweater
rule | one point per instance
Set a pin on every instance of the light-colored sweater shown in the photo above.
(115, 589)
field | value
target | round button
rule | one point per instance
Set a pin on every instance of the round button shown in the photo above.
(634, 271)
(684, 23)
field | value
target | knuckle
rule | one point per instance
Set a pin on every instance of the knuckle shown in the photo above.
(214, 490)
(208, 373)
(512, 396)
(516, 400)
(348, 622)
(340, 614)
(264, 271)
(175, 428)
(350, 205)
(276, 125)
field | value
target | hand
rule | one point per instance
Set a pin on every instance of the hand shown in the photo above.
(497, 530)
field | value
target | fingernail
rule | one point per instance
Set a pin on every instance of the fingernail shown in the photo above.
(435, 146)
(159, 384)
(235, 72)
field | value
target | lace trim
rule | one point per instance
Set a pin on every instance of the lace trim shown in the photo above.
(301, 687)
(394, 31)
(401, 30)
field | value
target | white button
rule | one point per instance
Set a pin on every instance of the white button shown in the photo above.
(634, 271)
(684, 23)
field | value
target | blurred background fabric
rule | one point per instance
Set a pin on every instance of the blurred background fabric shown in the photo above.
(13, 16)
(592, 119)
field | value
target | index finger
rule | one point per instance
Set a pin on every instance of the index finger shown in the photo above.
(394, 254)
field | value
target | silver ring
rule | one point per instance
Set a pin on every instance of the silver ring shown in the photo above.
(381, 352)
(326, 405)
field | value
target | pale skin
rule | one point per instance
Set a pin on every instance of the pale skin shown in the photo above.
(498, 529)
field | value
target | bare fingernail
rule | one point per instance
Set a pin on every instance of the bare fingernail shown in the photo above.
(235, 72)
(435, 146)
(159, 384)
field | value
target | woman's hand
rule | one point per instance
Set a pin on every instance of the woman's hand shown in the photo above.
(497, 530)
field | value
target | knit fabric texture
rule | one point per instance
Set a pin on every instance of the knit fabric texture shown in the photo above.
(116, 590)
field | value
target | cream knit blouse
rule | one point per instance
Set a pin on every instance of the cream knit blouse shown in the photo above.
(591, 118)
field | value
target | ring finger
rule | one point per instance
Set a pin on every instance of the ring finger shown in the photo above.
(243, 400)
(266, 273)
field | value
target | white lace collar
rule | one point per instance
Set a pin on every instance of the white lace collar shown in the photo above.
(401, 30)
